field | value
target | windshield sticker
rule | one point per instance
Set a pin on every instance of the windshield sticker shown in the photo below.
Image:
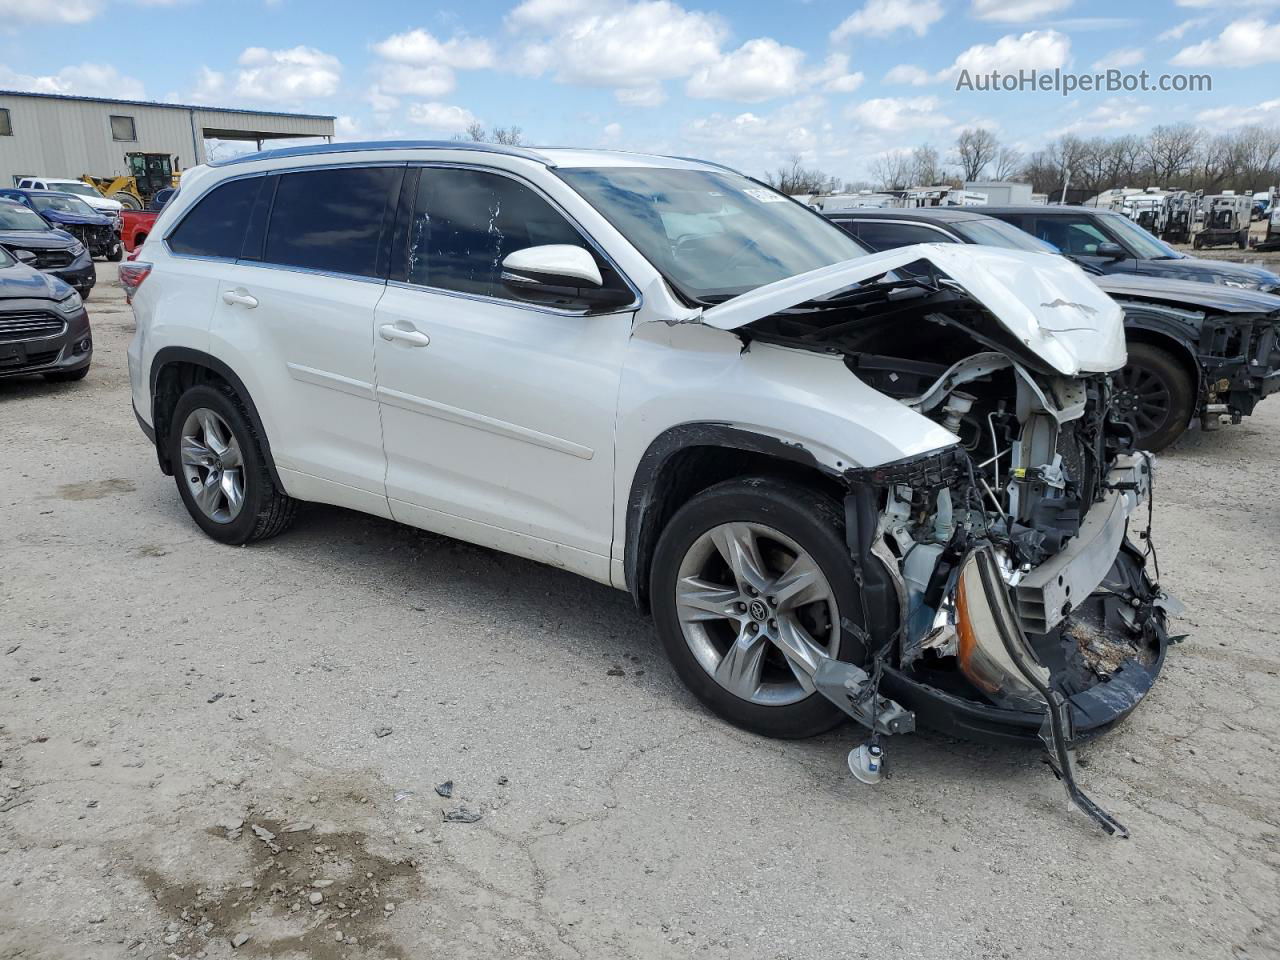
(765, 196)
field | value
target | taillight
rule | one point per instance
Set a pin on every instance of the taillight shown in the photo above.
(132, 273)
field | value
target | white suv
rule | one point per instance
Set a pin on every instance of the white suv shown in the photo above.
(839, 489)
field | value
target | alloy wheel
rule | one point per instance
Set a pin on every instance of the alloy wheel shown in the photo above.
(1142, 398)
(212, 465)
(757, 612)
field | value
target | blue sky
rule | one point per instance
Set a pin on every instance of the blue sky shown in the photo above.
(837, 82)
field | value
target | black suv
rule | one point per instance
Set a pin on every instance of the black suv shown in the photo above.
(53, 251)
(43, 325)
(1113, 243)
(1195, 350)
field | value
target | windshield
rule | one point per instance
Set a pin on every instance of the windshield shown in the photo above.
(997, 233)
(79, 189)
(712, 234)
(63, 203)
(1142, 243)
(14, 216)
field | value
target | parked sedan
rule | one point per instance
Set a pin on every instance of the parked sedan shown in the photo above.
(43, 325)
(1195, 350)
(67, 212)
(1115, 244)
(23, 231)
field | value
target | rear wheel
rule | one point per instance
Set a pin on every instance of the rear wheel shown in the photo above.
(116, 253)
(1155, 394)
(750, 581)
(220, 471)
(128, 200)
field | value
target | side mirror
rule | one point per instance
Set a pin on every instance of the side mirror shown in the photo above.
(559, 274)
(1112, 251)
(24, 256)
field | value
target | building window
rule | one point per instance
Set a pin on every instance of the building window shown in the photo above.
(6, 126)
(122, 129)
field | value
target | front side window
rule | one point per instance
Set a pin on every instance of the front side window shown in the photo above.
(990, 232)
(713, 235)
(1072, 235)
(1143, 243)
(122, 128)
(215, 226)
(332, 220)
(466, 222)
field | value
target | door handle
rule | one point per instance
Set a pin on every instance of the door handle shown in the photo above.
(239, 299)
(414, 338)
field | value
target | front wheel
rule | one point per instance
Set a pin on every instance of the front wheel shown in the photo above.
(220, 471)
(750, 582)
(1155, 394)
(116, 253)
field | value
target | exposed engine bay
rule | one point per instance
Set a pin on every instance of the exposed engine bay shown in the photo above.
(1002, 585)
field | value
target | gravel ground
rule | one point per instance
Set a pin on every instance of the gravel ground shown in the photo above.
(202, 744)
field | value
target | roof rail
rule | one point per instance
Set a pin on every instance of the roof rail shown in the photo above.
(352, 147)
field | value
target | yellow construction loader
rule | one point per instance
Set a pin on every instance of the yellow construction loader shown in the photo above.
(148, 174)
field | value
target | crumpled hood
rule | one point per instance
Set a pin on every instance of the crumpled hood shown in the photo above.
(1044, 300)
(87, 219)
(1187, 293)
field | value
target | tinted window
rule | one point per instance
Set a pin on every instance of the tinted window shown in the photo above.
(879, 235)
(215, 226)
(466, 221)
(1073, 235)
(331, 220)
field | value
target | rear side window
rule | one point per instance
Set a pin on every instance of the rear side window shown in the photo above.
(332, 220)
(465, 222)
(215, 226)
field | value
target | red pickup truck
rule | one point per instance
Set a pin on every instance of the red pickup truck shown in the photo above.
(135, 226)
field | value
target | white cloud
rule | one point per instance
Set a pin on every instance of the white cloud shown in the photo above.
(85, 79)
(622, 45)
(1243, 43)
(419, 48)
(1116, 113)
(909, 75)
(759, 140)
(1123, 57)
(300, 73)
(1267, 112)
(434, 80)
(1178, 31)
(899, 114)
(46, 12)
(210, 85)
(879, 18)
(1016, 11)
(763, 69)
(1034, 50)
(612, 131)
(650, 95)
(380, 102)
(441, 116)
(1208, 4)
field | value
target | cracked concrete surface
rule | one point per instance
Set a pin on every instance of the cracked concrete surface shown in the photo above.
(619, 819)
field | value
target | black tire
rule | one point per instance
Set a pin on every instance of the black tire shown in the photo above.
(267, 510)
(116, 253)
(1155, 393)
(67, 376)
(1197, 243)
(84, 293)
(816, 523)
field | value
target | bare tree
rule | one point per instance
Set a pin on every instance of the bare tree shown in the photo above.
(1007, 163)
(511, 136)
(1170, 149)
(926, 167)
(793, 179)
(975, 148)
(891, 171)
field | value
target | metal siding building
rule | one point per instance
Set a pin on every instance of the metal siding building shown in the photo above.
(63, 136)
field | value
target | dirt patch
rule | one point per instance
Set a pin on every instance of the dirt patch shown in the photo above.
(306, 893)
(93, 489)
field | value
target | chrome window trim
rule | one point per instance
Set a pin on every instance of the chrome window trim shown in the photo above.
(902, 223)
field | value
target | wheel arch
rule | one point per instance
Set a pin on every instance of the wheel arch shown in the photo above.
(173, 370)
(1149, 325)
(688, 458)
